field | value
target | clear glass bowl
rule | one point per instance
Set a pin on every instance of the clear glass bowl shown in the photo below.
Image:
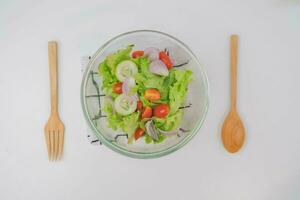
(197, 95)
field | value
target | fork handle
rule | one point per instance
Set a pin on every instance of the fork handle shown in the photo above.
(52, 53)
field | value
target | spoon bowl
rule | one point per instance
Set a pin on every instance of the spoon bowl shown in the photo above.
(233, 132)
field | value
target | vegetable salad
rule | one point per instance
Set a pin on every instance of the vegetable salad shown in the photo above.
(143, 93)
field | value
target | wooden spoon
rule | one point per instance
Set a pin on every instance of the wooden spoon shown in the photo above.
(233, 132)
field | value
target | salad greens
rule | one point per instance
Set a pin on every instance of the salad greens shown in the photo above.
(155, 96)
(108, 67)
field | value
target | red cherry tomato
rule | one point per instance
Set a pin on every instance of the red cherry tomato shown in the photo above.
(139, 105)
(161, 110)
(117, 88)
(137, 54)
(152, 94)
(147, 112)
(138, 133)
(163, 56)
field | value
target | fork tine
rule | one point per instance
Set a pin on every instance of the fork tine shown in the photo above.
(52, 145)
(56, 143)
(47, 137)
(60, 145)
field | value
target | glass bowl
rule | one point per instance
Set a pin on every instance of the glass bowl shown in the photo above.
(196, 99)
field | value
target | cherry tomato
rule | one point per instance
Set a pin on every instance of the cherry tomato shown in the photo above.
(117, 87)
(161, 110)
(138, 133)
(152, 94)
(139, 105)
(147, 112)
(137, 54)
(163, 56)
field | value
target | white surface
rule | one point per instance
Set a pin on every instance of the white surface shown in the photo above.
(268, 167)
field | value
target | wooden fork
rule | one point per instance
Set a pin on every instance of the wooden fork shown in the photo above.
(54, 129)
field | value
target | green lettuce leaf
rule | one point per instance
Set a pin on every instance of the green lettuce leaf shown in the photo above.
(169, 80)
(161, 138)
(108, 79)
(143, 123)
(179, 89)
(107, 69)
(114, 59)
(129, 124)
(148, 139)
(114, 120)
(145, 79)
(169, 123)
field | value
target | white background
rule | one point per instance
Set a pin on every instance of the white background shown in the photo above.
(268, 167)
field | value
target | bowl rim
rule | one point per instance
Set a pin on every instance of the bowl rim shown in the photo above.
(124, 151)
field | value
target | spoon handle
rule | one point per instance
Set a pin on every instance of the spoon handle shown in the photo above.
(233, 70)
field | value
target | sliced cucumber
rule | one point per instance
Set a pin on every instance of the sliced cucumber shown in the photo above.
(125, 105)
(126, 69)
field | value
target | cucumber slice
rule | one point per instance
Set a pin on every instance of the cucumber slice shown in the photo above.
(126, 69)
(125, 105)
